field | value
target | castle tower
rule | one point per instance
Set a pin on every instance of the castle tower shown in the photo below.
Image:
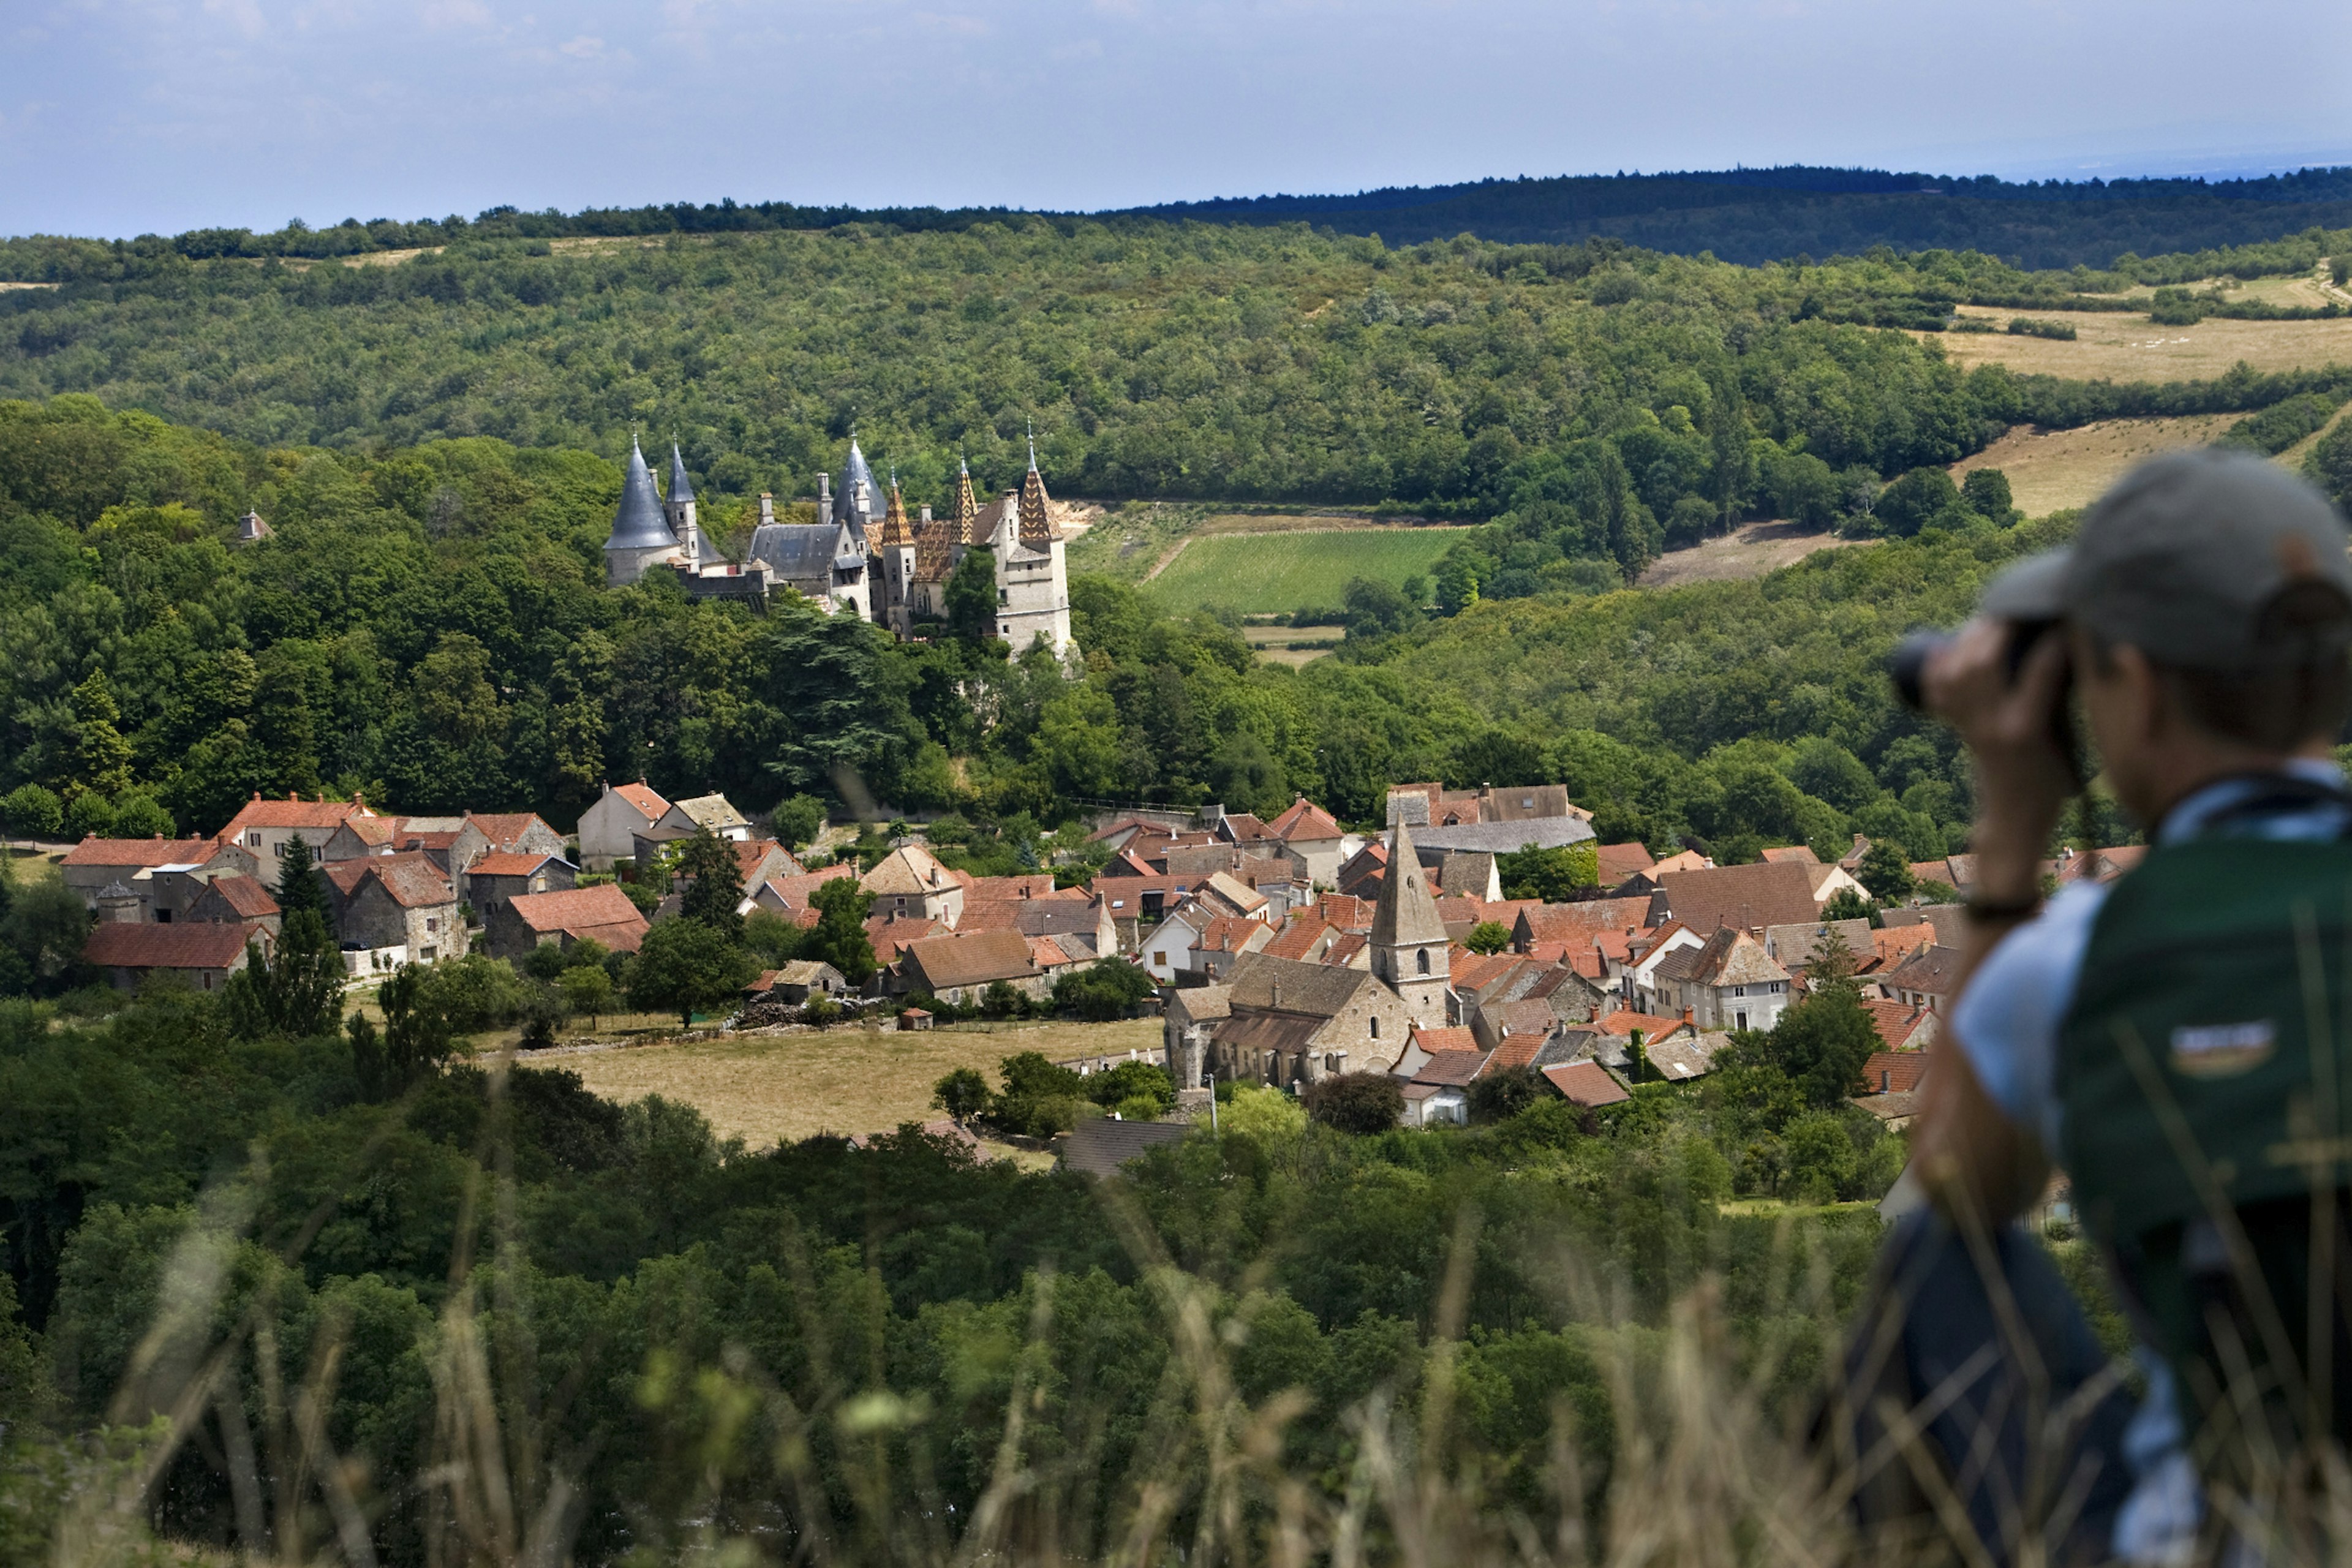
(967, 504)
(898, 565)
(678, 510)
(1037, 529)
(641, 535)
(1408, 941)
(860, 501)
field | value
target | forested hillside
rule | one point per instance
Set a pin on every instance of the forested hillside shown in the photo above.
(429, 626)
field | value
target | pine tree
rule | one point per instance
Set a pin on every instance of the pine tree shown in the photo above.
(298, 882)
(716, 888)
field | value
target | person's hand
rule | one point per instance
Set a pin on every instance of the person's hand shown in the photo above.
(2023, 780)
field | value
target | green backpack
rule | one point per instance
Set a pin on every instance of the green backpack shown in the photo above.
(2206, 1067)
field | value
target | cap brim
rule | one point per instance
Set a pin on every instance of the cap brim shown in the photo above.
(2033, 589)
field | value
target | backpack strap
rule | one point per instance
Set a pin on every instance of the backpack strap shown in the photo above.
(2274, 793)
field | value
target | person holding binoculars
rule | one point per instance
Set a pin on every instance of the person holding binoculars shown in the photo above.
(2176, 1041)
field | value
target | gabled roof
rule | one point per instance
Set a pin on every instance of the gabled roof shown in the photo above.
(1278, 984)
(1895, 1073)
(505, 829)
(1931, 971)
(1792, 855)
(1585, 1083)
(975, 960)
(292, 812)
(1305, 822)
(1794, 945)
(1450, 1069)
(411, 880)
(1624, 1021)
(639, 522)
(1899, 1024)
(577, 910)
(1349, 914)
(794, 890)
(1449, 1038)
(1507, 837)
(512, 863)
(1686, 1057)
(1577, 923)
(1733, 958)
(1048, 954)
(1233, 933)
(247, 899)
(710, 811)
(1747, 897)
(1406, 914)
(1099, 1146)
(908, 872)
(141, 852)
(890, 936)
(1619, 861)
(126, 945)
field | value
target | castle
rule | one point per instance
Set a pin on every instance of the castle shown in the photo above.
(863, 554)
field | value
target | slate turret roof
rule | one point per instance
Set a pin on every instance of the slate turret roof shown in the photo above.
(1406, 916)
(680, 487)
(638, 524)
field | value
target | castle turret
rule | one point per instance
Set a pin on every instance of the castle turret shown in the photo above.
(1407, 945)
(641, 535)
(898, 565)
(1037, 529)
(967, 504)
(678, 508)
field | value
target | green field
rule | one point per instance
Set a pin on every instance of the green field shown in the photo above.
(1275, 573)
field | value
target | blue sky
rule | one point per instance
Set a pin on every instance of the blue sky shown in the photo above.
(119, 117)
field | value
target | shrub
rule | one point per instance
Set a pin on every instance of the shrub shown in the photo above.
(2027, 326)
(29, 811)
(1357, 1103)
(962, 1094)
(1499, 1096)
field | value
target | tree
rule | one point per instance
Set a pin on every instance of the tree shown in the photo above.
(688, 966)
(839, 936)
(1501, 1095)
(1923, 497)
(962, 1094)
(716, 888)
(1821, 1043)
(419, 1032)
(298, 884)
(1488, 937)
(1003, 1000)
(776, 940)
(29, 811)
(296, 990)
(1357, 1103)
(1886, 872)
(138, 814)
(971, 597)
(1104, 990)
(1986, 492)
(1846, 904)
(796, 820)
(1554, 875)
(102, 756)
(1039, 1098)
(587, 989)
(1820, 1157)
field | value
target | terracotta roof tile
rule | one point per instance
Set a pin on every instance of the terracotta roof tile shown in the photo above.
(580, 912)
(508, 863)
(1895, 1073)
(1619, 861)
(1452, 1068)
(1304, 821)
(246, 898)
(122, 944)
(505, 829)
(141, 852)
(1449, 1038)
(1585, 1083)
(286, 814)
(975, 960)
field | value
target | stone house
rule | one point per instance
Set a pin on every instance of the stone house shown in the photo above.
(1313, 840)
(609, 827)
(910, 882)
(500, 875)
(235, 900)
(1188, 1025)
(502, 833)
(1224, 941)
(204, 956)
(163, 873)
(1437, 1090)
(397, 904)
(683, 819)
(266, 827)
(1081, 927)
(1727, 982)
(1753, 897)
(796, 982)
(1295, 1023)
(602, 914)
(960, 969)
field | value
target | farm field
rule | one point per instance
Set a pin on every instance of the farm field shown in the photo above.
(1278, 572)
(1277, 645)
(2053, 469)
(1749, 550)
(2117, 346)
(766, 1088)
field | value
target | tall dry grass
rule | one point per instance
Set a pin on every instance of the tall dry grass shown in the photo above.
(1701, 1470)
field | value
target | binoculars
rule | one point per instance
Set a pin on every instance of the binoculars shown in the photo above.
(1908, 663)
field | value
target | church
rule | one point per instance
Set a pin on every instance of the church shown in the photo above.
(863, 555)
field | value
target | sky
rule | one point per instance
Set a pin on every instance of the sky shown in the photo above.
(121, 117)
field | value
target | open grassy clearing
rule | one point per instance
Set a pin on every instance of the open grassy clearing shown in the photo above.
(1277, 573)
(1278, 644)
(2051, 469)
(1749, 550)
(2122, 346)
(769, 1088)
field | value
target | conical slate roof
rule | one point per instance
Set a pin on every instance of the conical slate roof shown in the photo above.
(639, 524)
(680, 487)
(857, 473)
(1406, 915)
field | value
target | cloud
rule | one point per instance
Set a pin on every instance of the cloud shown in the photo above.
(245, 15)
(584, 47)
(441, 13)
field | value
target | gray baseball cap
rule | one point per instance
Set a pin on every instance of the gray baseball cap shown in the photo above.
(2206, 558)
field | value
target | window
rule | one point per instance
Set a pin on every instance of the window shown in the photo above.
(281, 849)
(1160, 958)
(253, 839)
(1421, 961)
(432, 922)
(1739, 991)
(1376, 1027)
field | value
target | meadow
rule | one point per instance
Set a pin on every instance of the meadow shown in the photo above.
(1282, 572)
(2126, 346)
(772, 1089)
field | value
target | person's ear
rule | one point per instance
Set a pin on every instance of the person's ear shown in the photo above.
(2146, 701)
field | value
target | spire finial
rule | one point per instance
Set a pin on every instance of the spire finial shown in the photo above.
(1033, 444)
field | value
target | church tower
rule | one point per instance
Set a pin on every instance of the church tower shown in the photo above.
(1408, 941)
(898, 565)
(678, 510)
(641, 536)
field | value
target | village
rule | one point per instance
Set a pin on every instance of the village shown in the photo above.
(1279, 953)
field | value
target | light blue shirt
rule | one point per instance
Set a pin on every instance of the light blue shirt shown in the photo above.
(2007, 1021)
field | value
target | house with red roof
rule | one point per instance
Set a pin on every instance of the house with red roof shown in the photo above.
(235, 900)
(504, 833)
(793, 897)
(204, 956)
(608, 828)
(264, 828)
(502, 874)
(1313, 839)
(602, 914)
(1585, 1084)
(1437, 1089)
(163, 873)
(399, 908)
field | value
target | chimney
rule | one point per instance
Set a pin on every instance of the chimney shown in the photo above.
(1277, 993)
(926, 514)
(823, 497)
(766, 507)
